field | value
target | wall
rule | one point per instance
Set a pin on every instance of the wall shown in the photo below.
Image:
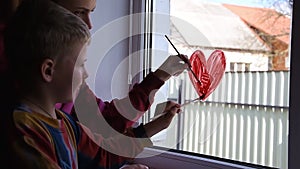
(107, 56)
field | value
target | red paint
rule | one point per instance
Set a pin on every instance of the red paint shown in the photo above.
(209, 72)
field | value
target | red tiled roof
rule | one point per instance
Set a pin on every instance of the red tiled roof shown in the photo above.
(267, 20)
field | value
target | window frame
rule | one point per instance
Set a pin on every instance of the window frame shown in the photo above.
(294, 107)
(163, 158)
(186, 160)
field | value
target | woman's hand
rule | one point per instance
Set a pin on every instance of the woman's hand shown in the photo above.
(168, 110)
(172, 66)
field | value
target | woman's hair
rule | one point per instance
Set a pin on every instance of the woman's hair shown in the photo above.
(41, 29)
(7, 8)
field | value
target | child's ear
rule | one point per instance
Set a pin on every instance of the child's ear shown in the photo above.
(47, 70)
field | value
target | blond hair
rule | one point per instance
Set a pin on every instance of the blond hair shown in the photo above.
(41, 29)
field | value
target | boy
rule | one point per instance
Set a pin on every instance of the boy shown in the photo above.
(103, 117)
(46, 48)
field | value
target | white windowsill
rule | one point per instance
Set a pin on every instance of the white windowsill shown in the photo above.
(160, 159)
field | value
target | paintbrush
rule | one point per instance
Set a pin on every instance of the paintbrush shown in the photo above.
(182, 105)
(184, 59)
(190, 66)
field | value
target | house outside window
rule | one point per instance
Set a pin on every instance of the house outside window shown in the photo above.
(238, 67)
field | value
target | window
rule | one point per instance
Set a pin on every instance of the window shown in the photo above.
(246, 119)
(237, 66)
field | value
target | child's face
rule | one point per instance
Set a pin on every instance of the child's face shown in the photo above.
(79, 72)
(81, 8)
(71, 73)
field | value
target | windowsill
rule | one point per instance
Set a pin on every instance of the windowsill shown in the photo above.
(157, 158)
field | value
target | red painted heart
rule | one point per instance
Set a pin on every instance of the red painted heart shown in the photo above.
(209, 72)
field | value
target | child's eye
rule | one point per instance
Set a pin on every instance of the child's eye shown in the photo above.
(83, 64)
(76, 12)
(79, 13)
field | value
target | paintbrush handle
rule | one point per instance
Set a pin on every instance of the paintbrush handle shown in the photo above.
(172, 45)
(178, 54)
(184, 59)
(182, 105)
(189, 102)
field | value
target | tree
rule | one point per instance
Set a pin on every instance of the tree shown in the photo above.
(283, 6)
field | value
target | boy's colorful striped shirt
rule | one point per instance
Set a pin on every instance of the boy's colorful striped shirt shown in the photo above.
(64, 143)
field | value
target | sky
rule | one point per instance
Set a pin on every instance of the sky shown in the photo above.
(254, 3)
(280, 5)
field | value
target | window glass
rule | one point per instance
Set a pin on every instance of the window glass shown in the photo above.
(246, 117)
